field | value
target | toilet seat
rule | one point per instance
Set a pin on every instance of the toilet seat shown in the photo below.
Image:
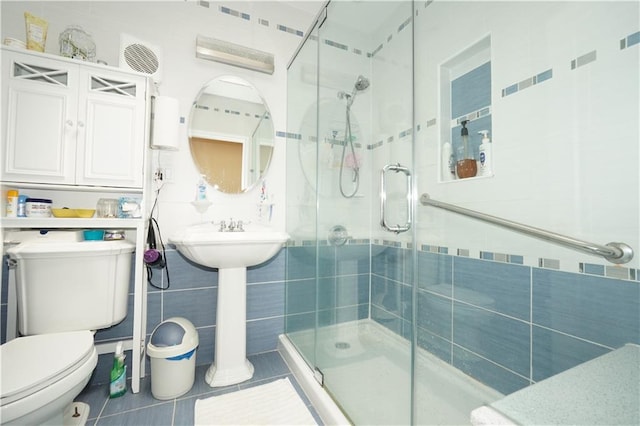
(32, 363)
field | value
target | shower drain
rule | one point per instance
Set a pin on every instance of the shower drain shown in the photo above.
(342, 345)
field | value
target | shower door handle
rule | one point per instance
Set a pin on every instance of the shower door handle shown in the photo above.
(383, 198)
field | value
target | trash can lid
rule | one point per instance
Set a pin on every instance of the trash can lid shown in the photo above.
(168, 334)
(173, 337)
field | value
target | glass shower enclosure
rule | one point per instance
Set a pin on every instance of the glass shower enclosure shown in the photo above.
(412, 314)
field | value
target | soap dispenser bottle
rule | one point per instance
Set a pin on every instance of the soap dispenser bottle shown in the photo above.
(466, 165)
(201, 190)
(486, 154)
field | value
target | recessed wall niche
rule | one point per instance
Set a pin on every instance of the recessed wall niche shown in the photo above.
(465, 96)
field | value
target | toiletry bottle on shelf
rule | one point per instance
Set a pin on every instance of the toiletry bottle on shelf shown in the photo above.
(118, 383)
(466, 165)
(201, 190)
(486, 154)
(447, 163)
(22, 205)
(12, 203)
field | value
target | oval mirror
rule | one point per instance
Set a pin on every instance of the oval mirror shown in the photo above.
(231, 134)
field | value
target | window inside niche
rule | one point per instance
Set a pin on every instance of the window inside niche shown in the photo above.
(465, 96)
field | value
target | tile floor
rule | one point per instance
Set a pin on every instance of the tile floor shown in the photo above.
(142, 409)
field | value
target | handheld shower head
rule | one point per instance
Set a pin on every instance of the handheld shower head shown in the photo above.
(362, 83)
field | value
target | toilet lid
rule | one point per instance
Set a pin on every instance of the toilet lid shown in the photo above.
(32, 362)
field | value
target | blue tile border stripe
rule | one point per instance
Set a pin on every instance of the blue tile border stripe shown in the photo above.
(290, 30)
(247, 17)
(630, 40)
(528, 82)
(474, 115)
(235, 13)
(584, 59)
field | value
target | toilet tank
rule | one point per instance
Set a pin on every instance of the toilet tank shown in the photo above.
(69, 286)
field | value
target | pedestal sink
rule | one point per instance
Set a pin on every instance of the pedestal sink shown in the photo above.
(231, 253)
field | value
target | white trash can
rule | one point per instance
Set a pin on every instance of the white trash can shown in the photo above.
(172, 350)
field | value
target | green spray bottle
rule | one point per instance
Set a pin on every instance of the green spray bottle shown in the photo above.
(118, 384)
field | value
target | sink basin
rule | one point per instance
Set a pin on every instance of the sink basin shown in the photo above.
(207, 246)
(231, 253)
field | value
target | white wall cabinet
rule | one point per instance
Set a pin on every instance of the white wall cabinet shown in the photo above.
(70, 123)
(74, 132)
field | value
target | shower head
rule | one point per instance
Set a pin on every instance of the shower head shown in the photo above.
(362, 83)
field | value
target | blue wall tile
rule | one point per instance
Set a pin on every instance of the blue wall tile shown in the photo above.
(352, 259)
(343, 291)
(206, 345)
(300, 296)
(120, 331)
(154, 310)
(271, 270)
(502, 340)
(262, 335)
(300, 262)
(297, 322)
(555, 352)
(351, 313)
(435, 314)
(493, 375)
(471, 91)
(391, 296)
(185, 274)
(500, 287)
(435, 272)
(387, 319)
(198, 306)
(390, 263)
(434, 344)
(598, 309)
(265, 300)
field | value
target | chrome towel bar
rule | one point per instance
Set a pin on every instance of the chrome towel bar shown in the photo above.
(614, 252)
(398, 168)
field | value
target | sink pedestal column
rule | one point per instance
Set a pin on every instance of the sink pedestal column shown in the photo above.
(230, 365)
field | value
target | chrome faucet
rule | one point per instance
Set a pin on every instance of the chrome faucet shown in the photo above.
(232, 226)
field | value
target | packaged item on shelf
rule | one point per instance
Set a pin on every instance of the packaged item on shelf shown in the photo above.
(107, 207)
(36, 32)
(38, 207)
(129, 208)
(114, 234)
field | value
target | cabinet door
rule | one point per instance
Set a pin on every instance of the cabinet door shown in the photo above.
(39, 119)
(110, 150)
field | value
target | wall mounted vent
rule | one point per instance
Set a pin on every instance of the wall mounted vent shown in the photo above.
(137, 55)
(234, 54)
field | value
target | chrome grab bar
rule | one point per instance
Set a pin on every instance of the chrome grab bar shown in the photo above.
(614, 252)
(383, 198)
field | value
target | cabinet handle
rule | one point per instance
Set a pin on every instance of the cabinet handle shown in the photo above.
(69, 123)
(80, 123)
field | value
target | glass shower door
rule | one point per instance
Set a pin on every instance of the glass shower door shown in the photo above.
(364, 285)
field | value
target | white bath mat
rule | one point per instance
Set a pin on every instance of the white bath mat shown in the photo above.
(276, 403)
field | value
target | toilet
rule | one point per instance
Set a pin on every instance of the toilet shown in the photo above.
(65, 291)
